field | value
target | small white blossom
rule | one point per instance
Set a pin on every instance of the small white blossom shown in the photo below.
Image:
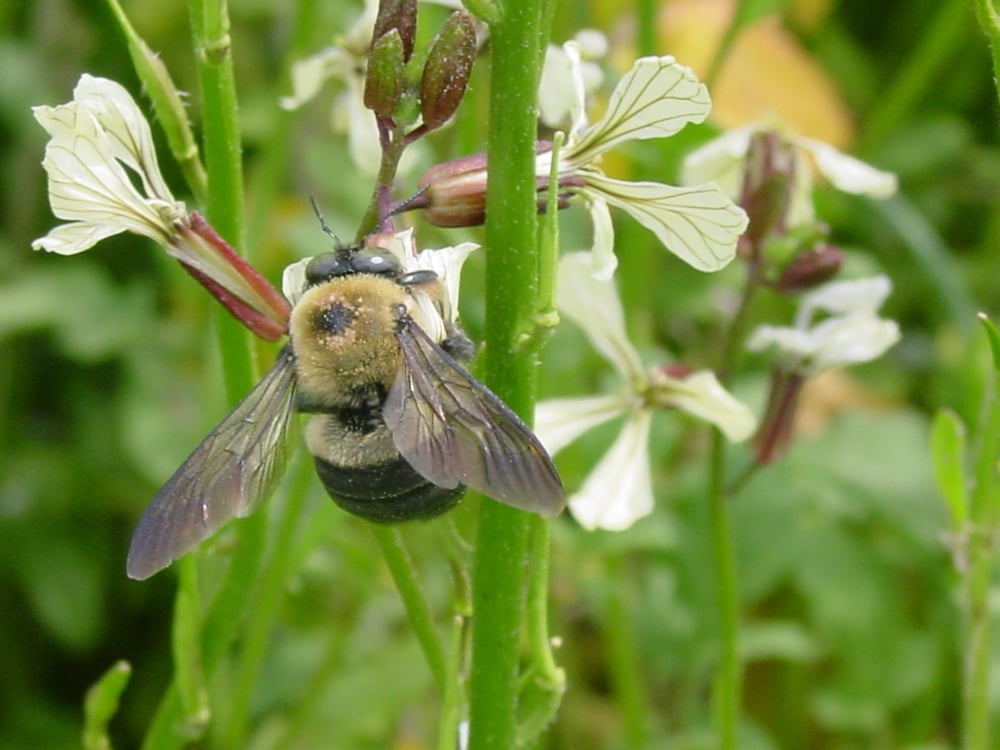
(346, 63)
(655, 99)
(619, 490)
(559, 104)
(104, 179)
(851, 333)
(100, 144)
(723, 160)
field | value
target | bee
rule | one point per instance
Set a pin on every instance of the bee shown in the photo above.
(397, 427)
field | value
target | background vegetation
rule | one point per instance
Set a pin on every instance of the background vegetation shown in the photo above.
(849, 596)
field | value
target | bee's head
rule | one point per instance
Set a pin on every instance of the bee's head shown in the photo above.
(351, 260)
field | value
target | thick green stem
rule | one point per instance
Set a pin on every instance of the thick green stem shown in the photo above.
(511, 266)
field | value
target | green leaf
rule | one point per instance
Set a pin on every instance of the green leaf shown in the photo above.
(993, 336)
(101, 704)
(948, 454)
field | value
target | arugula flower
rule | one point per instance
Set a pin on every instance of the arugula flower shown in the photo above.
(655, 99)
(619, 490)
(104, 179)
(723, 160)
(837, 324)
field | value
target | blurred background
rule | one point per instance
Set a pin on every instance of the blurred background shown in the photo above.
(109, 376)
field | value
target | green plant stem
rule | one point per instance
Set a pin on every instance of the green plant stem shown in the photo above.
(977, 584)
(223, 161)
(390, 541)
(626, 676)
(261, 617)
(511, 265)
(728, 686)
(989, 21)
(222, 148)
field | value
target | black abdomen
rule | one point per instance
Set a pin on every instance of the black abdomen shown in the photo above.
(386, 493)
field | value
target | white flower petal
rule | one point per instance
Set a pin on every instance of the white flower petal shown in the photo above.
(293, 280)
(362, 132)
(560, 421)
(594, 306)
(655, 99)
(619, 490)
(603, 260)
(721, 161)
(70, 239)
(701, 395)
(117, 114)
(849, 174)
(309, 75)
(843, 297)
(851, 340)
(447, 263)
(698, 224)
(793, 343)
(557, 92)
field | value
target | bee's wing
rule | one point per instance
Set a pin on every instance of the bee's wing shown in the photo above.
(453, 430)
(232, 469)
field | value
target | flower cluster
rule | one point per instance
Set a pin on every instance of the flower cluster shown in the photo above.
(619, 489)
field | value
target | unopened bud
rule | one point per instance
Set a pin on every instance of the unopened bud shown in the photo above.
(447, 71)
(456, 192)
(385, 75)
(810, 269)
(767, 186)
(399, 16)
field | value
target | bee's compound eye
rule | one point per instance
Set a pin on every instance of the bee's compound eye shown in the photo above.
(383, 264)
(326, 266)
(415, 278)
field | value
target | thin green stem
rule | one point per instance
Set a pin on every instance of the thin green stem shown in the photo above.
(390, 541)
(224, 209)
(512, 264)
(266, 606)
(977, 585)
(626, 676)
(728, 686)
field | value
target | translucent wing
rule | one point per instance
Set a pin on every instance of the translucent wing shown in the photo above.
(234, 468)
(453, 430)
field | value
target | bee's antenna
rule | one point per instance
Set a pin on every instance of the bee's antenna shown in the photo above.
(322, 222)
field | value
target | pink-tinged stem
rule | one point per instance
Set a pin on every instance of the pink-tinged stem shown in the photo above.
(258, 323)
(771, 440)
(278, 310)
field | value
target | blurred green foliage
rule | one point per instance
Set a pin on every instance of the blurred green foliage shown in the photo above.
(109, 377)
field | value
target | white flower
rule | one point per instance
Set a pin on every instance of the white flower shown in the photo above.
(655, 99)
(100, 144)
(619, 490)
(723, 160)
(558, 103)
(851, 333)
(104, 179)
(445, 262)
(345, 62)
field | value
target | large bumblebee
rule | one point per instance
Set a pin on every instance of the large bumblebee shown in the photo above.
(397, 427)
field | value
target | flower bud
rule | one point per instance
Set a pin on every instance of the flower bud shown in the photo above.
(399, 16)
(810, 269)
(385, 75)
(767, 186)
(446, 73)
(456, 192)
